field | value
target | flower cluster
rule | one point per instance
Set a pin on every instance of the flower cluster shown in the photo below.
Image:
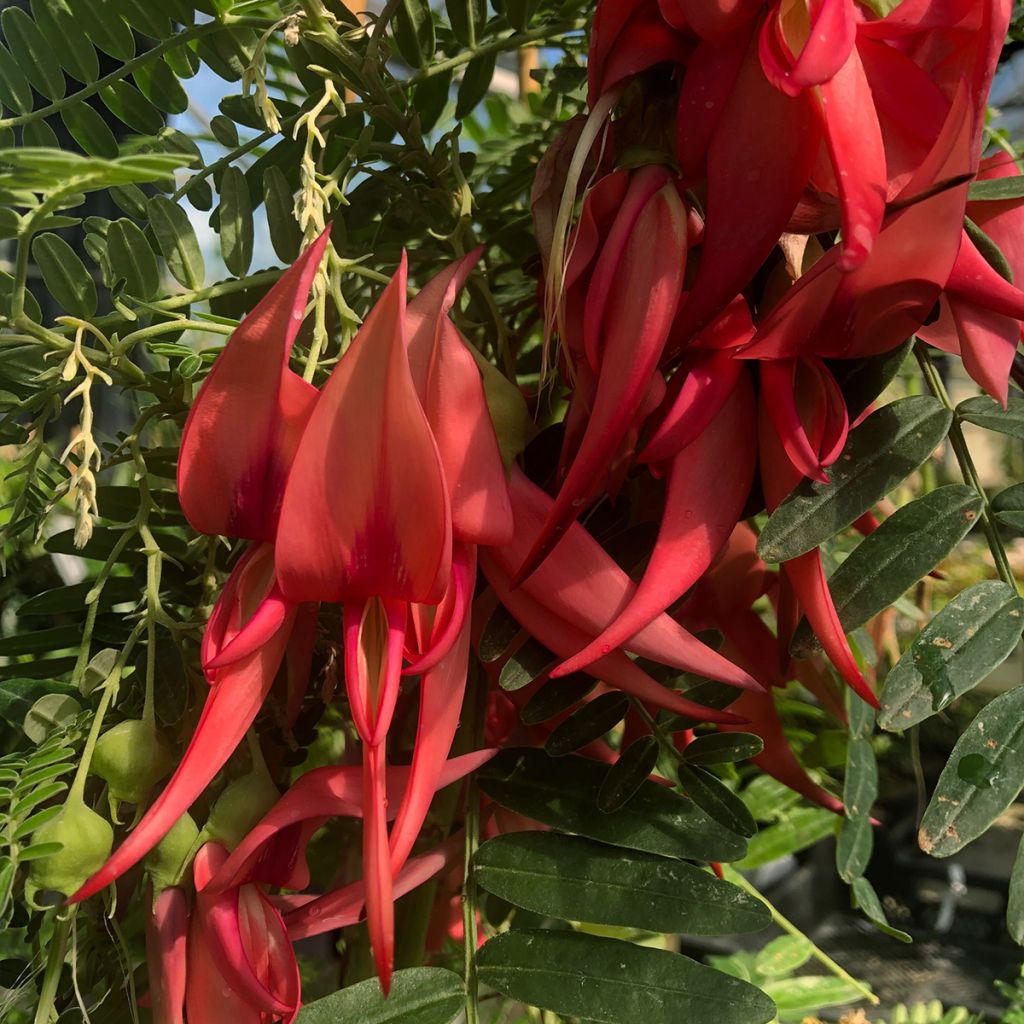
(763, 188)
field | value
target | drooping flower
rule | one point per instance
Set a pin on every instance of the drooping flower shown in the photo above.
(237, 446)
(400, 469)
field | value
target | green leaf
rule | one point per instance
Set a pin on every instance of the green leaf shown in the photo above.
(723, 748)
(65, 275)
(556, 696)
(994, 256)
(466, 18)
(853, 848)
(105, 27)
(628, 773)
(48, 713)
(236, 230)
(224, 131)
(799, 828)
(86, 126)
(966, 641)
(228, 54)
(279, 201)
(15, 91)
(996, 189)
(587, 724)
(160, 85)
(904, 549)
(784, 955)
(129, 199)
(57, 638)
(38, 134)
(34, 821)
(127, 104)
(41, 668)
(39, 851)
(886, 448)
(563, 793)
(430, 98)
(520, 13)
(1008, 506)
(988, 413)
(1015, 903)
(177, 240)
(613, 982)
(132, 259)
(529, 662)
(578, 880)
(871, 906)
(959, 810)
(33, 53)
(75, 53)
(475, 84)
(719, 802)
(796, 997)
(499, 632)
(420, 995)
(149, 18)
(413, 27)
(71, 598)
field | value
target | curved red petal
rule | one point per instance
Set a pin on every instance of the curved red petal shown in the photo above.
(242, 429)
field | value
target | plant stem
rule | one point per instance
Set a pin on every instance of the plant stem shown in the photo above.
(54, 967)
(469, 893)
(786, 925)
(958, 443)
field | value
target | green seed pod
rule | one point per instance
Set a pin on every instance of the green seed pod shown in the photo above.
(167, 861)
(132, 758)
(87, 839)
(240, 806)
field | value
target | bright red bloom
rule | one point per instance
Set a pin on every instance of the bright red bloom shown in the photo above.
(166, 938)
(239, 438)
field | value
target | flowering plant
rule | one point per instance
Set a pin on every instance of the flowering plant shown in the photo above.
(506, 553)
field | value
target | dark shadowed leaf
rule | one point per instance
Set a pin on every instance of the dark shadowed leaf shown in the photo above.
(528, 663)
(556, 696)
(562, 793)
(588, 723)
(723, 748)
(628, 773)
(719, 802)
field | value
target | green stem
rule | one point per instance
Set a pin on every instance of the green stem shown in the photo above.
(786, 925)
(110, 687)
(469, 892)
(513, 41)
(196, 32)
(958, 443)
(54, 967)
